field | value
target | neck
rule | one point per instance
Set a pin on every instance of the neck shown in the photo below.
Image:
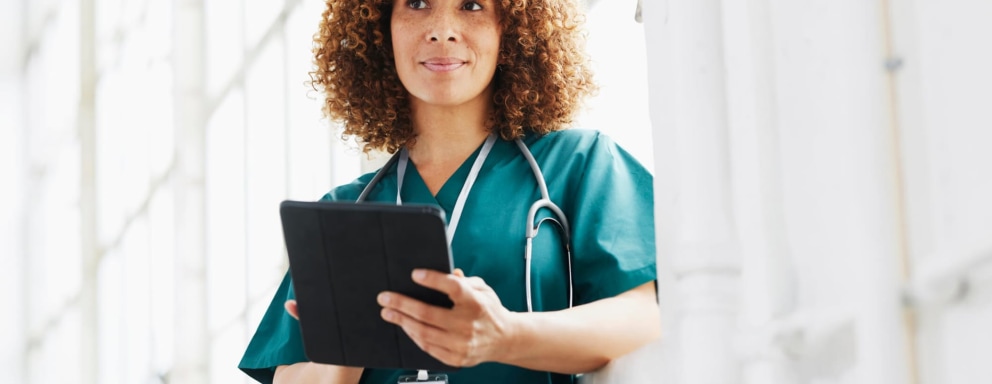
(448, 133)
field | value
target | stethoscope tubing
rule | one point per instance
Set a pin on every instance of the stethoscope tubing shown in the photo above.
(377, 177)
(532, 227)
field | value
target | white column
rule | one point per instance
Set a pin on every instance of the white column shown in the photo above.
(840, 174)
(696, 234)
(768, 282)
(90, 252)
(13, 284)
(192, 340)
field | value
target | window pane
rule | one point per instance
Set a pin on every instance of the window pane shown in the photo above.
(226, 258)
(225, 43)
(266, 168)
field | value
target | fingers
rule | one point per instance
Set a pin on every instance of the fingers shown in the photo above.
(417, 329)
(463, 291)
(292, 309)
(458, 336)
(430, 339)
(394, 303)
(477, 283)
(453, 284)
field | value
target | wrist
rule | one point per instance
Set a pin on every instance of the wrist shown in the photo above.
(517, 333)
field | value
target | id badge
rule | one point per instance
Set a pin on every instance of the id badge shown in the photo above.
(439, 378)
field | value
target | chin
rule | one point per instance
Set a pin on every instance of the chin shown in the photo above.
(444, 100)
(449, 95)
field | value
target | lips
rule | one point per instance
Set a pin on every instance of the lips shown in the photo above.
(443, 64)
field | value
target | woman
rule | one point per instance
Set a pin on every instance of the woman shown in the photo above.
(435, 79)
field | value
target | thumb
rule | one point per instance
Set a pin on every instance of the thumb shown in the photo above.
(292, 309)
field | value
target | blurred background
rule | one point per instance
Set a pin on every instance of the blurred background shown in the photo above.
(823, 189)
(823, 182)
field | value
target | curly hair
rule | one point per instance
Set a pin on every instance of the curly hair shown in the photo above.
(542, 78)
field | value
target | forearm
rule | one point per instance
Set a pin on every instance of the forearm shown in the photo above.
(316, 373)
(584, 338)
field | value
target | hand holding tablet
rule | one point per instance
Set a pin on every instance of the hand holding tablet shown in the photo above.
(342, 255)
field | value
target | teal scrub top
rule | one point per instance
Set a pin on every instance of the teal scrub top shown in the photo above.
(604, 192)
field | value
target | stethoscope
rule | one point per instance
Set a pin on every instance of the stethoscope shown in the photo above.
(401, 158)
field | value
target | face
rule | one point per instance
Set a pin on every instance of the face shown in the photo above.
(445, 50)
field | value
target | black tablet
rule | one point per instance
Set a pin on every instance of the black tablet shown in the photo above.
(341, 256)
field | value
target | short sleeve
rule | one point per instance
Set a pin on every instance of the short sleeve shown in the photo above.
(613, 233)
(277, 341)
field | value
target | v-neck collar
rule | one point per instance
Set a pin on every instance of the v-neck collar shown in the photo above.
(415, 190)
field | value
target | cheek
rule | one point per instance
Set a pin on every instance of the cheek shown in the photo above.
(401, 49)
(494, 46)
(399, 34)
(402, 62)
(495, 39)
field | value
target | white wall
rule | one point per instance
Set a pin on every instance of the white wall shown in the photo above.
(849, 184)
(615, 42)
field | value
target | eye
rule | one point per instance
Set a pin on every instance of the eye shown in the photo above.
(472, 6)
(416, 4)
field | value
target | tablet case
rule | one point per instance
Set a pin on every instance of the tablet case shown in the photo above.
(341, 256)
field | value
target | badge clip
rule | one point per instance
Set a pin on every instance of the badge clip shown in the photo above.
(422, 377)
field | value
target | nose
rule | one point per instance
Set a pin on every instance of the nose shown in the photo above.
(444, 26)
(434, 38)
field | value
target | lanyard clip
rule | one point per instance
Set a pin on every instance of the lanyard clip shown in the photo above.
(422, 377)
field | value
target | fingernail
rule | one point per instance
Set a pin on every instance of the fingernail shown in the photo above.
(419, 274)
(388, 315)
(384, 298)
